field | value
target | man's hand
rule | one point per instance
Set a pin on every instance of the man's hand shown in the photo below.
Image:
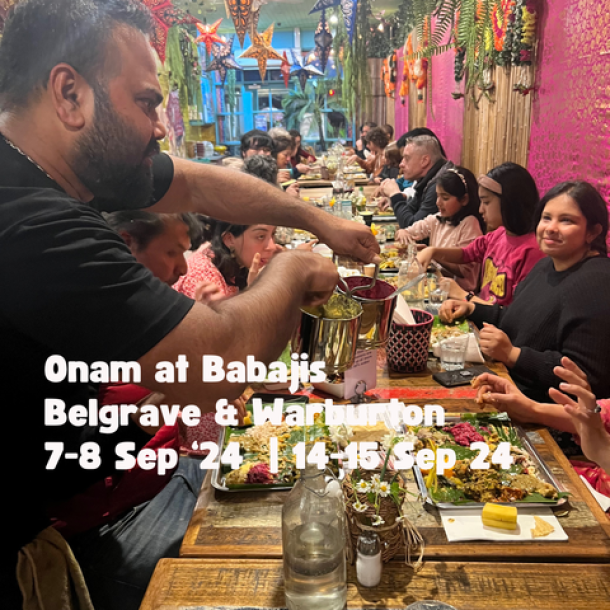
(349, 238)
(320, 276)
(496, 344)
(454, 310)
(389, 187)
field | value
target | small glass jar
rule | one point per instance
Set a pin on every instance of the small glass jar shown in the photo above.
(369, 563)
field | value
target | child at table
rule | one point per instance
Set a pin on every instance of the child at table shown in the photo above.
(457, 223)
(508, 251)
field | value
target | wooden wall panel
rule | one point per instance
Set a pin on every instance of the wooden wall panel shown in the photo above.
(497, 130)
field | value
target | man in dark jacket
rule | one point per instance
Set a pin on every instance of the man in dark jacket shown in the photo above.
(422, 162)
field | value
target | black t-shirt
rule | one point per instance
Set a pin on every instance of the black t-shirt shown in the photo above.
(69, 286)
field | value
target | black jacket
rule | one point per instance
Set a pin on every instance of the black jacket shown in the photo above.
(423, 203)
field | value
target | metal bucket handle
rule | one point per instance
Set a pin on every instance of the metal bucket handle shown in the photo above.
(346, 289)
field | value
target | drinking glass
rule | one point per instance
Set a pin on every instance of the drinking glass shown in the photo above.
(453, 352)
(438, 296)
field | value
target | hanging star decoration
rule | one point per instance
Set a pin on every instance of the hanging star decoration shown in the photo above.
(324, 40)
(240, 11)
(223, 59)
(285, 69)
(165, 15)
(348, 8)
(208, 35)
(261, 50)
(303, 71)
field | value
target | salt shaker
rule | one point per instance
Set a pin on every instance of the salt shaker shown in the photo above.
(368, 561)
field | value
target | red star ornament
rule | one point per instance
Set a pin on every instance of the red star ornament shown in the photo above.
(208, 35)
(165, 15)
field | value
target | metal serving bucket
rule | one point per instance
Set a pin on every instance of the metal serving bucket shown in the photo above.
(330, 340)
(378, 303)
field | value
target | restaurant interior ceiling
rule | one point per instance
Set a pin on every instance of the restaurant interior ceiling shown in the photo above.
(285, 14)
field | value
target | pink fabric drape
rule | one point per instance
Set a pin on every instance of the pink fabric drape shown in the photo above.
(445, 115)
(570, 132)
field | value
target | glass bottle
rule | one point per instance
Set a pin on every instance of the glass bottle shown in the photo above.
(410, 270)
(313, 539)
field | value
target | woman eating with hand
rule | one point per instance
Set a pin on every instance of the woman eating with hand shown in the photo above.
(508, 251)
(582, 416)
(561, 308)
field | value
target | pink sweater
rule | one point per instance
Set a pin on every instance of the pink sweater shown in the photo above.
(506, 260)
(445, 235)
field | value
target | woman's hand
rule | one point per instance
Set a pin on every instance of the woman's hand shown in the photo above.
(304, 169)
(294, 190)
(255, 268)
(208, 292)
(452, 310)
(283, 175)
(496, 344)
(425, 257)
(354, 159)
(402, 237)
(505, 396)
(594, 439)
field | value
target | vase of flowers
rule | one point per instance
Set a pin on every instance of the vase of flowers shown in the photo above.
(374, 501)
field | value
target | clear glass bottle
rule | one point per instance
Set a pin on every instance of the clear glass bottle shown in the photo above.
(409, 271)
(313, 539)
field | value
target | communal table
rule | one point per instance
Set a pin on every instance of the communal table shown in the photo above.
(198, 584)
(247, 525)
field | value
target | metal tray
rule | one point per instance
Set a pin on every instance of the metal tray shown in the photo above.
(218, 476)
(544, 474)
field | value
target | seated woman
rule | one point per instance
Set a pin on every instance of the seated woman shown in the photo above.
(457, 223)
(560, 308)
(586, 418)
(376, 141)
(282, 150)
(509, 250)
(300, 157)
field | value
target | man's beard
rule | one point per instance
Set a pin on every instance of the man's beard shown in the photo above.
(109, 160)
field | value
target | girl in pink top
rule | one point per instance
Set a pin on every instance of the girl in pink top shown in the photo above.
(509, 250)
(457, 223)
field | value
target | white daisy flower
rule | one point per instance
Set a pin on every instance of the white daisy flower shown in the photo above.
(377, 520)
(359, 507)
(341, 434)
(375, 483)
(388, 440)
(383, 489)
(363, 486)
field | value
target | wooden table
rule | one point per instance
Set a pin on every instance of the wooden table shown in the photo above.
(248, 524)
(198, 584)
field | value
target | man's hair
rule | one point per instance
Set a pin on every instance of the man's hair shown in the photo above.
(262, 167)
(419, 131)
(255, 139)
(427, 145)
(40, 34)
(143, 226)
